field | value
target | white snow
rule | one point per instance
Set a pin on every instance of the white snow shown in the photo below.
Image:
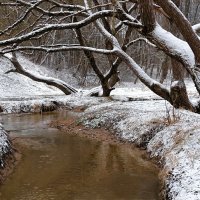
(179, 145)
(17, 85)
(175, 45)
(133, 112)
(196, 27)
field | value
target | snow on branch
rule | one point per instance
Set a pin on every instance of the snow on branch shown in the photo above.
(196, 27)
(72, 9)
(133, 24)
(67, 6)
(172, 45)
(50, 27)
(183, 26)
(152, 84)
(102, 29)
(141, 39)
(57, 48)
(9, 4)
(21, 19)
(35, 6)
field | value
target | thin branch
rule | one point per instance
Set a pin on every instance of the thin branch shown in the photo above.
(143, 40)
(9, 4)
(21, 19)
(133, 24)
(51, 27)
(52, 49)
(11, 70)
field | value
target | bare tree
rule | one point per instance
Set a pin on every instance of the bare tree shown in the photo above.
(111, 18)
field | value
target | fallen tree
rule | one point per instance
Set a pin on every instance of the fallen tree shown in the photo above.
(64, 87)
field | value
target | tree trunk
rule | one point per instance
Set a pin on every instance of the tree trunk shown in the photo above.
(179, 96)
(147, 16)
(104, 81)
(165, 68)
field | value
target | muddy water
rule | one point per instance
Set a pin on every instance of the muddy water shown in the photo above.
(57, 166)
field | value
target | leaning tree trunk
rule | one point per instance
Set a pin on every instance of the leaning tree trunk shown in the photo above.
(178, 91)
(177, 95)
(107, 82)
(64, 87)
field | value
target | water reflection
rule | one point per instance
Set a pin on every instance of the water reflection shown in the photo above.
(56, 166)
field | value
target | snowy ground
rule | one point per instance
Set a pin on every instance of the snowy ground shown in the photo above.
(175, 143)
(133, 113)
(16, 85)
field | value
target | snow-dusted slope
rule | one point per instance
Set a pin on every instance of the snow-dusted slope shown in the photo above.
(17, 85)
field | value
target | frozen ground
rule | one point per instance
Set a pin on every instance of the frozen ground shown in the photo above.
(133, 113)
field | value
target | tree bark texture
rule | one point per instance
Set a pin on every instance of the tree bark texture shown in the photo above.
(147, 16)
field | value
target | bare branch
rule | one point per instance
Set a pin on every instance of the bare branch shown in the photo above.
(50, 27)
(52, 49)
(143, 40)
(21, 19)
(11, 70)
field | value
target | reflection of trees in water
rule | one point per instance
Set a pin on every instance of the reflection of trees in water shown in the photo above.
(114, 161)
(102, 159)
(84, 165)
(99, 159)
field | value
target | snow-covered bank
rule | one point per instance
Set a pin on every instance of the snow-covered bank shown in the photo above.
(173, 140)
(176, 144)
(133, 113)
(5, 148)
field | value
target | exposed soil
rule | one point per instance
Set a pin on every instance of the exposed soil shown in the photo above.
(70, 126)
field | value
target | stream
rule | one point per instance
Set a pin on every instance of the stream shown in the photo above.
(58, 166)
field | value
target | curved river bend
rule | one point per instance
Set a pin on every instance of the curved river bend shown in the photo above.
(58, 166)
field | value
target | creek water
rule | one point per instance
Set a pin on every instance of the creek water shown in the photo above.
(58, 166)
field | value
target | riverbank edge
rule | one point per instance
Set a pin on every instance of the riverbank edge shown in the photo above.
(11, 161)
(77, 126)
(9, 155)
(77, 104)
